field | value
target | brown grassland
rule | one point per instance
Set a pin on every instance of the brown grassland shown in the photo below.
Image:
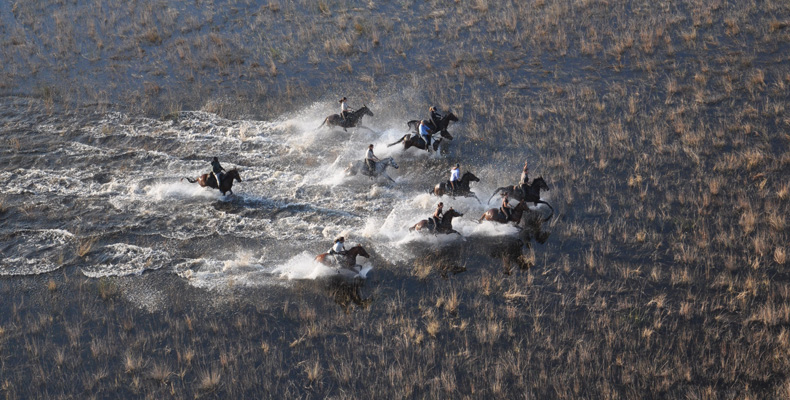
(662, 126)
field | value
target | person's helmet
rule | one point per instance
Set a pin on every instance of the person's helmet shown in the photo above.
(440, 204)
(423, 122)
(457, 165)
(371, 146)
(432, 108)
(215, 159)
(341, 239)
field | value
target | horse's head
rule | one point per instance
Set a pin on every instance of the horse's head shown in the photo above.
(391, 162)
(451, 117)
(470, 177)
(360, 251)
(452, 213)
(540, 183)
(366, 111)
(233, 174)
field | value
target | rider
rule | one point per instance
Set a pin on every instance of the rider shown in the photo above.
(524, 182)
(505, 207)
(338, 248)
(455, 177)
(425, 133)
(344, 108)
(435, 117)
(371, 159)
(216, 169)
(437, 215)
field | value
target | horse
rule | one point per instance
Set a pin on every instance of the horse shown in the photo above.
(442, 128)
(445, 226)
(496, 215)
(227, 180)
(410, 140)
(532, 195)
(461, 187)
(351, 120)
(356, 167)
(348, 260)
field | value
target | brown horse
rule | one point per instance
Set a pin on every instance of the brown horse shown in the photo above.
(461, 187)
(351, 120)
(496, 215)
(226, 179)
(348, 260)
(446, 226)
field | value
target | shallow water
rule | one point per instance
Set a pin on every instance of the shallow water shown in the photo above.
(110, 186)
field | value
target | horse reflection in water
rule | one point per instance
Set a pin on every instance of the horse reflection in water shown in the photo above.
(347, 294)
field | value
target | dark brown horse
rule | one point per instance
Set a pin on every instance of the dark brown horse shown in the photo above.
(461, 187)
(532, 195)
(348, 260)
(446, 226)
(496, 215)
(410, 140)
(442, 128)
(351, 120)
(227, 180)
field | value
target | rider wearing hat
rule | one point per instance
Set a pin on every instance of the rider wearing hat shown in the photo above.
(338, 248)
(455, 177)
(216, 169)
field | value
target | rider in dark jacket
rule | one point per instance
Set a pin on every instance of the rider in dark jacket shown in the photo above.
(216, 169)
(436, 118)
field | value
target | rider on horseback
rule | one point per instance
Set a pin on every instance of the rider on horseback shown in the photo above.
(216, 169)
(437, 215)
(425, 133)
(371, 159)
(344, 108)
(506, 209)
(435, 117)
(455, 177)
(524, 182)
(338, 248)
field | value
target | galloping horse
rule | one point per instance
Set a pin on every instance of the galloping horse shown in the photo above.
(446, 226)
(442, 128)
(360, 167)
(348, 260)
(496, 215)
(461, 187)
(351, 119)
(532, 195)
(410, 140)
(226, 179)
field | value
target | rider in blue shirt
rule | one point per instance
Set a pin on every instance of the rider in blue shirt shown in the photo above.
(425, 133)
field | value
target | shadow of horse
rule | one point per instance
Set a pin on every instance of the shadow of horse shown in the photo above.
(360, 167)
(207, 180)
(351, 120)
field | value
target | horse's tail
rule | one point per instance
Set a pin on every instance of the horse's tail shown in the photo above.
(495, 192)
(412, 228)
(322, 124)
(189, 180)
(399, 141)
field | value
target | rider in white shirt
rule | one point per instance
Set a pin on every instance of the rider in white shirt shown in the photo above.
(344, 108)
(371, 159)
(455, 176)
(338, 248)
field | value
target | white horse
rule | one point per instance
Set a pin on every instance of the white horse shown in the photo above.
(360, 167)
